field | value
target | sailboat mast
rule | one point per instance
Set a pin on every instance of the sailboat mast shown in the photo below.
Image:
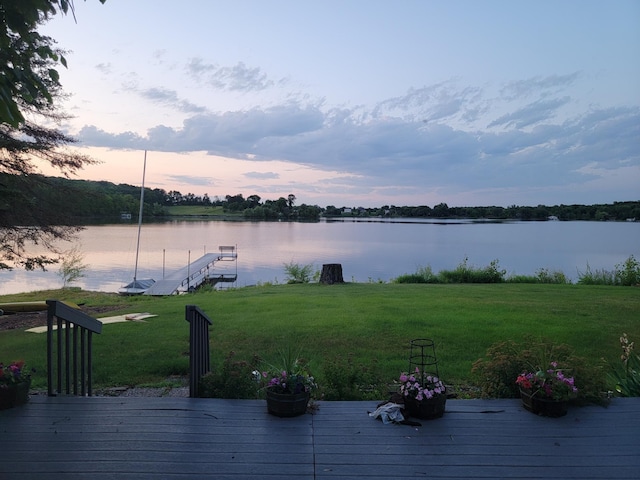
(144, 170)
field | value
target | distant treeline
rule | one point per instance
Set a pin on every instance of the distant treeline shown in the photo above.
(92, 199)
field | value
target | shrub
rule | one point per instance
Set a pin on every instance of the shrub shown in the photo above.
(543, 275)
(497, 374)
(297, 273)
(628, 273)
(233, 379)
(344, 379)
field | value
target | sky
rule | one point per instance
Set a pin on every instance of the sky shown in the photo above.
(359, 102)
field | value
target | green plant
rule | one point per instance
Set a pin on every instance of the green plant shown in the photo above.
(422, 275)
(543, 275)
(231, 380)
(297, 273)
(464, 273)
(628, 273)
(596, 277)
(505, 363)
(346, 379)
(626, 377)
(290, 375)
(72, 267)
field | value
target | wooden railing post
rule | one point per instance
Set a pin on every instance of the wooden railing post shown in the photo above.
(199, 355)
(63, 358)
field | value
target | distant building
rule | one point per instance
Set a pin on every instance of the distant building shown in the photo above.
(552, 218)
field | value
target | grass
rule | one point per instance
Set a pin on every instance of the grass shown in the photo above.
(372, 322)
(199, 210)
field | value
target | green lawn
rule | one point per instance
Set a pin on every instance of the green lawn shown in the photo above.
(372, 322)
(199, 210)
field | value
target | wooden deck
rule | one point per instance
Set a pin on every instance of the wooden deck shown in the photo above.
(181, 438)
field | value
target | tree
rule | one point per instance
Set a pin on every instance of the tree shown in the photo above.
(29, 86)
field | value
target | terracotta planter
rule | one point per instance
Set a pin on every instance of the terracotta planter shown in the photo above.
(287, 404)
(546, 407)
(14, 395)
(425, 409)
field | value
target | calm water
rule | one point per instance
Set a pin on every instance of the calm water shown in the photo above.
(368, 251)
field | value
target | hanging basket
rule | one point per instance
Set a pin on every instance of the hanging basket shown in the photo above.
(545, 407)
(14, 395)
(287, 404)
(425, 409)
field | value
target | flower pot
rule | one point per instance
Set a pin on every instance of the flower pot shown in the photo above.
(546, 407)
(287, 404)
(14, 394)
(427, 408)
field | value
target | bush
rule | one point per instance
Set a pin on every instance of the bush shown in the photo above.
(296, 273)
(628, 273)
(543, 275)
(346, 380)
(233, 379)
(496, 375)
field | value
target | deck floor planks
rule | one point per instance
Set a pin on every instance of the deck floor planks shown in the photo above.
(157, 438)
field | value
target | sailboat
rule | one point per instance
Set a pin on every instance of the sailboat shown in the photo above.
(138, 286)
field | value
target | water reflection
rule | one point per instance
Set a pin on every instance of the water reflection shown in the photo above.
(368, 251)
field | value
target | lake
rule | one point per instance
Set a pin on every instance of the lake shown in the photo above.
(372, 250)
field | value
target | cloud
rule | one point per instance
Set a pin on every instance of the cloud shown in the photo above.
(166, 97)
(238, 77)
(191, 180)
(104, 68)
(262, 175)
(424, 141)
(536, 112)
(536, 85)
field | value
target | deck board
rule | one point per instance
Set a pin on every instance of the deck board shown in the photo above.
(182, 438)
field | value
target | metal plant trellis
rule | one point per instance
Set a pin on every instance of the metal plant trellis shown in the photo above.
(422, 355)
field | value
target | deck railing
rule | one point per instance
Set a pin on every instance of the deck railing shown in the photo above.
(199, 356)
(69, 358)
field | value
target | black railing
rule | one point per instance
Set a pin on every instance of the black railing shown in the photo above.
(199, 356)
(69, 357)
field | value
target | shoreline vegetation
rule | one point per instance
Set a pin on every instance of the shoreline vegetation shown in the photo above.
(90, 201)
(375, 323)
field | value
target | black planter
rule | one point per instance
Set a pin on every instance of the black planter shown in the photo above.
(547, 407)
(287, 404)
(14, 395)
(426, 409)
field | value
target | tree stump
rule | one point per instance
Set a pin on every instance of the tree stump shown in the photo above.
(331, 273)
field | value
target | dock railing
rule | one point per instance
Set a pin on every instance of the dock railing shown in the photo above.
(69, 359)
(199, 355)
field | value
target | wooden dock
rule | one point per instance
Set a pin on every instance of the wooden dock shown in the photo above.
(193, 275)
(142, 438)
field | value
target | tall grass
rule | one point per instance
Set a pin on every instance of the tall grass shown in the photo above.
(370, 323)
(624, 274)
